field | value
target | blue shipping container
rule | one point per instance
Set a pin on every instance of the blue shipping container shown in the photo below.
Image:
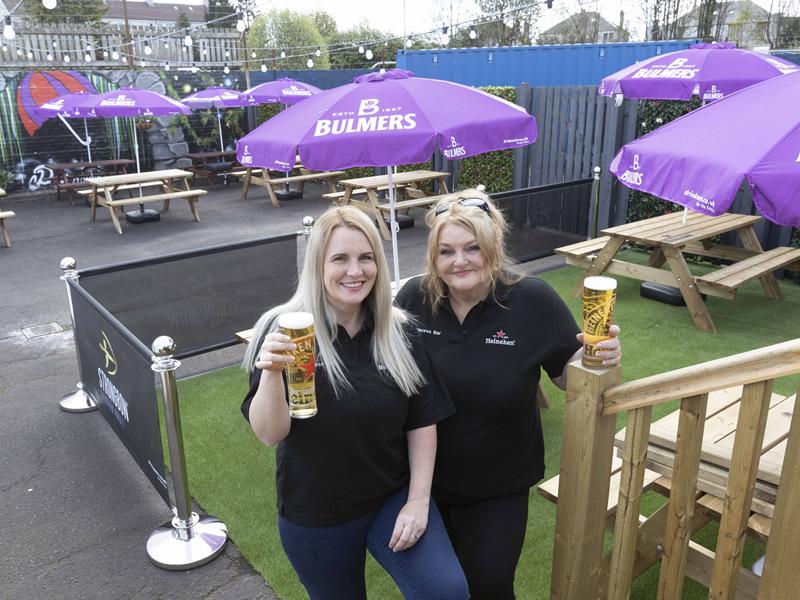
(569, 64)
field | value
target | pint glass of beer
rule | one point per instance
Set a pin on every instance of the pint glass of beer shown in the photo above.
(599, 294)
(300, 374)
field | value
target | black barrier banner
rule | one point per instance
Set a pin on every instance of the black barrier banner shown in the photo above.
(203, 296)
(115, 371)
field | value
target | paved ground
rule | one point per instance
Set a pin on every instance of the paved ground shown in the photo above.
(76, 509)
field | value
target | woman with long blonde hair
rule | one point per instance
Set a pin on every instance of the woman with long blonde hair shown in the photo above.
(357, 475)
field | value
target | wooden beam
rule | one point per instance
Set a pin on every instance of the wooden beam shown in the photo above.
(586, 454)
(630, 495)
(781, 578)
(682, 498)
(738, 496)
(770, 362)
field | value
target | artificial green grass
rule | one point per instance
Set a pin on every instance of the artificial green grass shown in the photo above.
(232, 475)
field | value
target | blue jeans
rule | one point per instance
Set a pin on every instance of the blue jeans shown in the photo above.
(330, 560)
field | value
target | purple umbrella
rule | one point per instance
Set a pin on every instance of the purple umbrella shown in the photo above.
(215, 97)
(69, 106)
(710, 71)
(700, 160)
(133, 102)
(387, 119)
(280, 91)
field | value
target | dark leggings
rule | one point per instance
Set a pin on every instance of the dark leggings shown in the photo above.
(487, 536)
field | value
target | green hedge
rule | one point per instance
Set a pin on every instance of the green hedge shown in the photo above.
(495, 170)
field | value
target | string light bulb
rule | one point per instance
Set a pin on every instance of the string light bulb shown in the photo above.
(309, 63)
(115, 55)
(283, 53)
(147, 49)
(49, 57)
(66, 58)
(166, 66)
(409, 43)
(263, 68)
(8, 29)
(473, 34)
(240, 26)
(253, 54)
(445, 39)
(30, 55)
(187, 39)
(5, 48)
(318, 52)
(194, 68)
(226, 69)
(361, 49)
(368, 54)
(87, 57)
(49, 4)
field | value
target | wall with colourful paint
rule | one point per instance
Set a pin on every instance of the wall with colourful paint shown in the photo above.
(29, 142)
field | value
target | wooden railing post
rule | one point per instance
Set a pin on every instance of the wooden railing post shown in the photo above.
(781, 577)
(586, 452)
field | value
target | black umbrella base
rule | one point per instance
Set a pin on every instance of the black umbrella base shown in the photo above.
(289, 194)
(143, 216)
(663, 293)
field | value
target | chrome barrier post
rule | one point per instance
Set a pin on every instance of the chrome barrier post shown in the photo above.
(189, 539)
(595, 202)
(308, 224)
(78, 401)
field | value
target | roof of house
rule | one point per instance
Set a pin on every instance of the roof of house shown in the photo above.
(149, 11)
(579, 22)
(732, 10)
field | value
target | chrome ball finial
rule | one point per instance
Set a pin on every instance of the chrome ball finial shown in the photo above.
(68, 264)
(163, 346)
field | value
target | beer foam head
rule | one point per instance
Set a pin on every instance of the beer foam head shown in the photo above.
(296, 320)
(600, 283)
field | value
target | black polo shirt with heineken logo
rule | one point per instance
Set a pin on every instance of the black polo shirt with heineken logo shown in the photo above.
(493, 446)
(342, 463)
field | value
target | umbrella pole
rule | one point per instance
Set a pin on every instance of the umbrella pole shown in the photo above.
(219, 125)
(142, 216)
(686, 210)
(88, 140)
(393, 226)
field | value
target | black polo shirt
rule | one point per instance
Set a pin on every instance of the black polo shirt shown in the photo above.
(342, 463)
(493, 446)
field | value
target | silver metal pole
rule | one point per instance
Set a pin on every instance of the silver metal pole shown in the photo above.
(595, 202)
(308, 224)
(189, 539)
(395, 228)
(78, 401)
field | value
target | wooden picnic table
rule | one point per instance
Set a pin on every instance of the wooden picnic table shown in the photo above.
(213, 163)
(174, 184)
(670, 240)
(409, 182)
(67, 175)
(263, 178)
(5, 214)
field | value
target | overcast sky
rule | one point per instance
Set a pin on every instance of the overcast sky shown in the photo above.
(417, 16)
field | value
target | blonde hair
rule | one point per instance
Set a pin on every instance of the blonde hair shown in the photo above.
(489, 229)
(390, 345)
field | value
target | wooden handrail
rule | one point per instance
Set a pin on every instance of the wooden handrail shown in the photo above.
(770, 362)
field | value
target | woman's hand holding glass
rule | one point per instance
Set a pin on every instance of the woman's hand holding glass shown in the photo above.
(610, 350)
(275, 352)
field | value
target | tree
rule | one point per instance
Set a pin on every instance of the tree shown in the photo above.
(294, 33)
(344, 45)
(218, 9)
(665, 23)
(325, 23)
(510, 24)
(78, 12)
(183, 21)
(783, 25)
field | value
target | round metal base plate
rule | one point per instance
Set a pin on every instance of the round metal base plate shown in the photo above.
(208, 538)
(143, 216)
(77, 402)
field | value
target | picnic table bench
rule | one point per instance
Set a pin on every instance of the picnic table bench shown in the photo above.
(211, 165)
(409, 182)
(103, 190)
(261, 177)
(5, 214)
(671, 239)
(70, 175)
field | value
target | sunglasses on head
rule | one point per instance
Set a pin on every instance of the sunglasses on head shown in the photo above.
(477, 202)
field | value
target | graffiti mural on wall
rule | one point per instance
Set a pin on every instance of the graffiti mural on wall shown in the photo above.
(29, 142)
